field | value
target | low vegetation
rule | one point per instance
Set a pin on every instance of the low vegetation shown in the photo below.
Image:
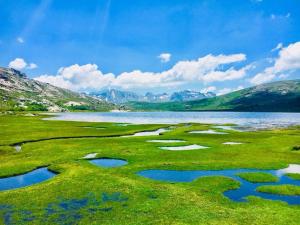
(286, 189)
(83, 193)
(258, 177)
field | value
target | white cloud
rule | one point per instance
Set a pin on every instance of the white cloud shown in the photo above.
(20, 64)
(287, 61)
(279, 46)
(208, 89)
(32, 66)
(228, 90)
(20, 40)
(164, 57)
(205, 69)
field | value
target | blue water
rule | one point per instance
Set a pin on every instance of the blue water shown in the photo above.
(105, 162)
(30, 178)
(246, 188)
(252, 119)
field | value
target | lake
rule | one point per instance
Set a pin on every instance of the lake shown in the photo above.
(251, 119)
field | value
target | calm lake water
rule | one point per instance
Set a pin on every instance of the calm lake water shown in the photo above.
(252, 119)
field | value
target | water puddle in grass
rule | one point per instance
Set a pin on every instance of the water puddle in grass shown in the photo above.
(18, 148)
(30, 178)
(166, 141)
(184, 148)
(206, 132)
(148, 133)
(90, 156)
(97, 128)
(232, 143)
(65, 211)
(108, 163)
(240, 194)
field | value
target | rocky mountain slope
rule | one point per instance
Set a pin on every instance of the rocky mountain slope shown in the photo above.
(18, 92)
(281, 96)
(121, 97)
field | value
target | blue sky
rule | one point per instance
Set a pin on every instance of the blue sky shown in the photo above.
(86, 45)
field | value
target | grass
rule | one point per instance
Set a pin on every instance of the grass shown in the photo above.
(286, 189)
(295, 176)
(258, 177)
(140, 200)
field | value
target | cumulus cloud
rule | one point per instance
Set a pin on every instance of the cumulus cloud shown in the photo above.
(205, 69)
(287, 61)
(164, 57)
(208, 89)
(228, 90)
(20, 64)
(20, 40)
(279, 46)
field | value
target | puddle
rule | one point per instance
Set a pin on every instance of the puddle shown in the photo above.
(90, 156)
(148, 133)
(97, 128)
(246, 189)
(292, 168)
(30, 178)
(166, 141)
(18, 148)
(184, 148)
(206, 132)
(108, 163)
(232, 143)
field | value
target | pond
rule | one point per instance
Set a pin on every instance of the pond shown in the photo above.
(240, 194)
(23, 180)
(253, 119)
(108, 163)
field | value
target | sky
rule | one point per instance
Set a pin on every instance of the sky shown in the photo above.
(152, 45)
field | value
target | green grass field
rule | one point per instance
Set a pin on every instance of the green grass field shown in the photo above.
(119, 195)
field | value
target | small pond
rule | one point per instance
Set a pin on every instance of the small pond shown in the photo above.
(30, 178)
(148, 133)
(108, 163)
(240, 194)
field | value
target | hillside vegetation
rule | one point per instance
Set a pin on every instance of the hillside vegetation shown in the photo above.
(20, 93)
(281, 96)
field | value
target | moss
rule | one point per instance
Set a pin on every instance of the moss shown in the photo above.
(258, 177)
(286, 189)
(149, 202)
(295, 176)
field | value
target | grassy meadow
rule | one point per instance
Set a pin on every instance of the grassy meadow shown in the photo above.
(83, 193)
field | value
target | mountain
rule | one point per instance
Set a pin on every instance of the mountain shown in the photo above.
(188, 95)
(18, 92)
(117, 96)
(281, 96)
(121, 97)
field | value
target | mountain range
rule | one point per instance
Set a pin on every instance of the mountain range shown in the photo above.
(18, 92)
(281, 96)
(121, 97)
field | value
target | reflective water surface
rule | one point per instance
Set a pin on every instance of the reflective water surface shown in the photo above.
(106, 162)
(33, 177)
(246, 188)
(253, 119)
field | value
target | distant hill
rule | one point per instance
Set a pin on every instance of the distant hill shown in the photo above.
(18, 92)
(281, 96)
(121, 97)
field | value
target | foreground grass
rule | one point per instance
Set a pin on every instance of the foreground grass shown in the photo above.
(258, 177)
(118, 195)
(286, 189)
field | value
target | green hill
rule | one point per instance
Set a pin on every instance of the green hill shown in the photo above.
(281, 96)
(20, 93)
